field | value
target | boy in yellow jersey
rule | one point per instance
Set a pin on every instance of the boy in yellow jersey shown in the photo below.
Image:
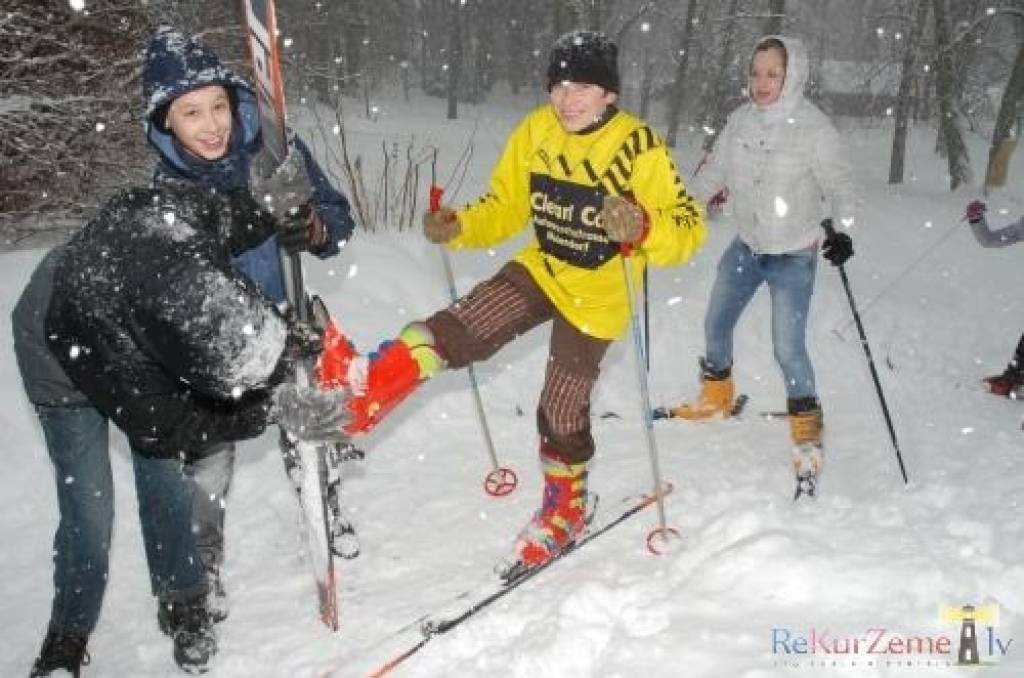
(588, 179)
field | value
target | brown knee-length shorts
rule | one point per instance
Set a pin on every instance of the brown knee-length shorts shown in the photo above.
(498, 310)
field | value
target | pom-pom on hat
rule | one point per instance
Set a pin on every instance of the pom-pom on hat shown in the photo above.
(587, 57)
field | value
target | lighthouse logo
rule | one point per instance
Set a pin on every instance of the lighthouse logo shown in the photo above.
(974, 649)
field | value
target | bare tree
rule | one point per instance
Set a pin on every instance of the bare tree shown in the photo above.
(950, 138)
(69, 102)
(908, 74)
(1004, 141)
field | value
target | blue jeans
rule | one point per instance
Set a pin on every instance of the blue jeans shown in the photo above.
(790, 279)
(77, 439)
(210, 479)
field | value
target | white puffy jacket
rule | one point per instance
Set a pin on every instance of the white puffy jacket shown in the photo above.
(784, 165)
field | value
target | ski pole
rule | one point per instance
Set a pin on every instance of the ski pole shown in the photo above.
(647, 323)
(501, 480)
(663, 530)
(830, 230)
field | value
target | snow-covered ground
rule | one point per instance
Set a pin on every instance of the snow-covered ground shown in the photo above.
(758, 586)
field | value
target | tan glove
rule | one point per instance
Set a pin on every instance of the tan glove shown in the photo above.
(622, 220)
(441, 226)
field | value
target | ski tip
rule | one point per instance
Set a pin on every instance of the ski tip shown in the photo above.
(738, 405)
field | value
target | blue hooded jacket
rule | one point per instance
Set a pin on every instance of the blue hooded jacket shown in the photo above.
(175, 65)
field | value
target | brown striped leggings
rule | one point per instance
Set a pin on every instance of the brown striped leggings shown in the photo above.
(500, 309)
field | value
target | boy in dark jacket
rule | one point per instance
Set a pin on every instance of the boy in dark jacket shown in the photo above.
(77, 439)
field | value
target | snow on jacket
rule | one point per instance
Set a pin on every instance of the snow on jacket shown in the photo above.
(555, 181)
(1002, 237)
(149, 319)
(44, 379)
(784, 165)
(176, 64)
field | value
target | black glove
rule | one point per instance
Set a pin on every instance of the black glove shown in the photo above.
(837, 248)
(293, 233)
(311, 413)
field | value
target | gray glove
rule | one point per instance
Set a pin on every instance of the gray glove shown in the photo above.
(312, 414)
(287, 188)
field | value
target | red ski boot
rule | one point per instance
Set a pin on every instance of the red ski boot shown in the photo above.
(562, 516)
(1004, 385)
(381, 380)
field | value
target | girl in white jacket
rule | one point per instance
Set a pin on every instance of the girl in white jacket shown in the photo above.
(782, 165)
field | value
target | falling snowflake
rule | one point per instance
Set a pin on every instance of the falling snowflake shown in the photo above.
(77, 5)
(781, 206)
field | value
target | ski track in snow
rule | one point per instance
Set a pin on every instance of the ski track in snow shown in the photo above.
(869, 553)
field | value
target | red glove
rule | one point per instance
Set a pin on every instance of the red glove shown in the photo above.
(717, 202)
(975, 211)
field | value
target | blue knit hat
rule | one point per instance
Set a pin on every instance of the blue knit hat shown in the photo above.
(177, 64)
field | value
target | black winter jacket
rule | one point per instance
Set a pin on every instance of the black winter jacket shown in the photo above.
(151, 322)
(44, 379)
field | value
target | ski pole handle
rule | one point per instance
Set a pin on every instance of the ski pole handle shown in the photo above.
(436, 193)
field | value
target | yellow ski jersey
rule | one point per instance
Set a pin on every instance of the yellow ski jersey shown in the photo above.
(556, 181)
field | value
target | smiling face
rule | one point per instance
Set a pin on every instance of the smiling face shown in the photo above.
(767, 74)
(201, 121)
(578, 105)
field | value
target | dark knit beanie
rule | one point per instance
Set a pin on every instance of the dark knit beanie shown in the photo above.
(584, 56)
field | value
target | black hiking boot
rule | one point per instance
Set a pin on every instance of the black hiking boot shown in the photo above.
(60, 651)
(189, 625)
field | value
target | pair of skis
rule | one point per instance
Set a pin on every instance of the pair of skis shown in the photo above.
(509, 578)
(314, 469)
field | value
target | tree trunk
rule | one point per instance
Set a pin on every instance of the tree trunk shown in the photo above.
(950, 136)
(777, 12)
(645, 79)
(354, 29)
(908, 75)
(679, 90)
(565, 17)
(717, 110)
(454, 57)
(596, 15)
(1004, 141)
